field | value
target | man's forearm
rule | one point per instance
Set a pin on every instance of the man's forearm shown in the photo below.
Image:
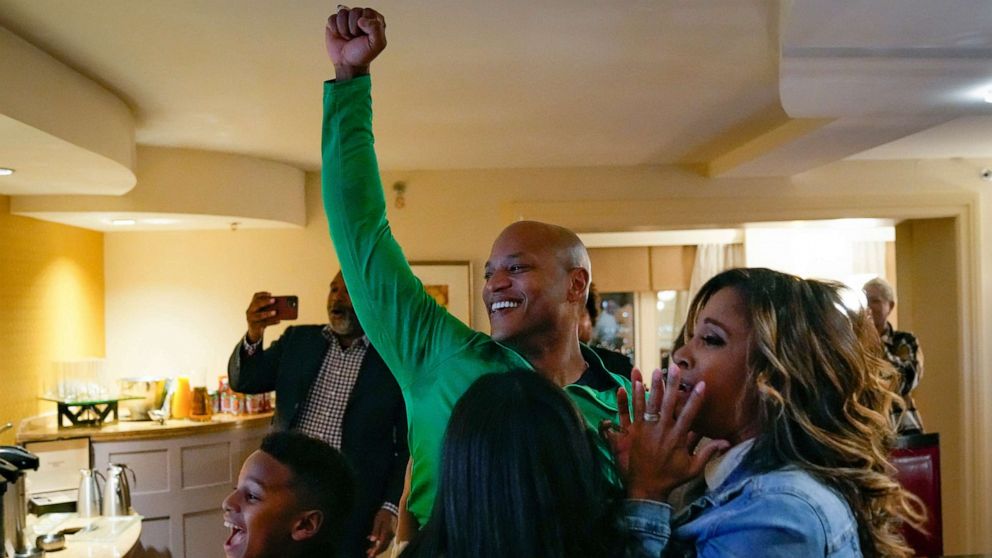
(344, 73)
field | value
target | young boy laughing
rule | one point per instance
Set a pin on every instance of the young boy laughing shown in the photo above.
(292, 498)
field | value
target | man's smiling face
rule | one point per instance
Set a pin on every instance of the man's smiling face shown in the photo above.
(526, 284)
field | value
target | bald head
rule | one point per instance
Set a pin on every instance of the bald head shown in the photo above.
(537, 282)
(560, 242)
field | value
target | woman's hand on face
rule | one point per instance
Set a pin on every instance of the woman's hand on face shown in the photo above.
(618, 436)
(657, 448)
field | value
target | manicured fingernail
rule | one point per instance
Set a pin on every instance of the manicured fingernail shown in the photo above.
(699, 387)
(638, 385)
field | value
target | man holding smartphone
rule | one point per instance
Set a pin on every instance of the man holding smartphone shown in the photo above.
(331, 384)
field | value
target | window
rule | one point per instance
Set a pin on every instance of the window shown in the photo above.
(671, 308)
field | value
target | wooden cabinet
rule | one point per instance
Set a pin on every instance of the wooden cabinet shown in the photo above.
(180, 484)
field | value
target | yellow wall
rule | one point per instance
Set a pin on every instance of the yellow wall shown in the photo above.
(51, 277)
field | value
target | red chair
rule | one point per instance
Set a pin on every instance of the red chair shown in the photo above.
(917, 461)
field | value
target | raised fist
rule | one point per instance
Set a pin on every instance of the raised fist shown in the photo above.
(354, 37)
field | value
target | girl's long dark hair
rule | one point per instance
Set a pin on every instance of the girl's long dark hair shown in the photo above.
(519, 477)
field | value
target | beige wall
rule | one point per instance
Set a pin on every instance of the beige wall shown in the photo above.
(929, 307)
(978, 368)
(51, 277)
(175, 301)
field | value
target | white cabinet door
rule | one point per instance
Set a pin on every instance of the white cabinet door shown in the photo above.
(180, 483)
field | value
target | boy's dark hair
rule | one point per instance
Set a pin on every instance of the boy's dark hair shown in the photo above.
(322, 480)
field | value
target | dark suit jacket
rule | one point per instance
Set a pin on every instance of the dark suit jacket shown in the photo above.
(374, 430)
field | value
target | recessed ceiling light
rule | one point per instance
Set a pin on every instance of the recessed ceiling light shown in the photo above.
(122, 222)
(4, 171)
(988, 96)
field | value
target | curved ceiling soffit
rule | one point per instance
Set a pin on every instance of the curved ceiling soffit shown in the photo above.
(61, 132)
(186, 189)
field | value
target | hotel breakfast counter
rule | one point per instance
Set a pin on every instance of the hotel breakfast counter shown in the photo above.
(183, 470)
(44, 428)
(101, 537)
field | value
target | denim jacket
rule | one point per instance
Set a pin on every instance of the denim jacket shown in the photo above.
(782, 513)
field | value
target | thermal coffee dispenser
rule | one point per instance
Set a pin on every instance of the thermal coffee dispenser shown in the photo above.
(15, 461)
(8, 474)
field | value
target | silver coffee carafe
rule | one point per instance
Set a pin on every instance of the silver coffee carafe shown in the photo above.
(117, 490)
(88, 498)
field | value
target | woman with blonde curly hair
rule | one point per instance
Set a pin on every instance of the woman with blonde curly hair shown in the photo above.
(776, 372)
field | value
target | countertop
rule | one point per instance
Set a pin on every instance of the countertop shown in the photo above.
(44, 428)
(110, 537)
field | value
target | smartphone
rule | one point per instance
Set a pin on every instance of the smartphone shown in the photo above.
(286, 307)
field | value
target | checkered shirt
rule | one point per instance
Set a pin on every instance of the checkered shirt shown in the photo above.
(335, 380)
(322, 414)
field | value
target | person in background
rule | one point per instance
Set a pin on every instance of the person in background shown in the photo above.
(292, 500)
(536, 279)
(614, 361)
(902, 350)
(331, 384)
(785, 382)
(607, 327)
(519, 477)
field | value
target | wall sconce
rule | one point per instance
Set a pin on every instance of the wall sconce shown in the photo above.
(400, 189)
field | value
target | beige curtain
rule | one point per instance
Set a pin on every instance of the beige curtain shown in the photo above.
(710, 260)
(868, 258)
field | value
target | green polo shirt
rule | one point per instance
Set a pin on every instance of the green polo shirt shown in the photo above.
(434, 356)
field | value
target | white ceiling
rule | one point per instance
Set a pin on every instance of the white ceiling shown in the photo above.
(484, 84)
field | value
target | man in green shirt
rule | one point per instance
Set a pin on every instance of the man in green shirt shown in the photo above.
(537, 280)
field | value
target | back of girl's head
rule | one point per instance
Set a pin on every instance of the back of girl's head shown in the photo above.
(824, 394)
(519, 476)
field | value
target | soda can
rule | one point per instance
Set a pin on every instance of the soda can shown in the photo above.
(253, 404)
(237, 403)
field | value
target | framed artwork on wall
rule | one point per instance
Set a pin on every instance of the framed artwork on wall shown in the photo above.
(450, 283)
